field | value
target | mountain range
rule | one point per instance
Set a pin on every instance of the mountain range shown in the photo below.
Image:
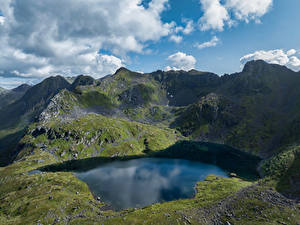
(255, 114)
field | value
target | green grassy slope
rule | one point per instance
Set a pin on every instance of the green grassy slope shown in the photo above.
(95, 135)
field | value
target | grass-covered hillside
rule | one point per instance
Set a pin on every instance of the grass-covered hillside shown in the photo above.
(95, 135)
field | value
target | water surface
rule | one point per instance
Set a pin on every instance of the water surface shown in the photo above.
(141, 182)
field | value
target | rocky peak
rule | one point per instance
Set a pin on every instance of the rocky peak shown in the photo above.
(255, 66)
(45, 90)
(83, 81)
(262, 67)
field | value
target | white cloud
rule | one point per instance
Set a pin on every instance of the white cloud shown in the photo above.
(64, 37)
(12, 82)
(2, 20)
(181, 61)
(212, 43)
(215, 15)
(189, 28)
(275, 57)
(178, 31)
(177, 39)
(291, 52)
(108, 64)
(294, 63)
(249, 10)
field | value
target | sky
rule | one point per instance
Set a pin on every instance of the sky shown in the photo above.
(39, 39)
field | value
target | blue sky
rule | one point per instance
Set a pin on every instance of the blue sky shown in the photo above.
(96, 37)
(277, 30)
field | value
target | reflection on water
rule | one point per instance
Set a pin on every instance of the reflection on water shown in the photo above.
(141, 182)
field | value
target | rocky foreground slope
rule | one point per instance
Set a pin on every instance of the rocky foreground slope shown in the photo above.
(165, 114)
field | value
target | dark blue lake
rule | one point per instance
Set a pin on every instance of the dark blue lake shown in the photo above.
(141, 182)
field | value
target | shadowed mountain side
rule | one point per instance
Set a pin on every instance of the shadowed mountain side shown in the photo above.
(32, 103)
(10, 96)
(184, 88)
(8, 147)
(18, 115)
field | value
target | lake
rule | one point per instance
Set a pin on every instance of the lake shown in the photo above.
(140, 182)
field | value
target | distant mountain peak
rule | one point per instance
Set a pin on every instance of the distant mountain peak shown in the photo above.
(260, 66)
(254, 65)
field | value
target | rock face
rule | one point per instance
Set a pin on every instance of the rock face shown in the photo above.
(57, 106)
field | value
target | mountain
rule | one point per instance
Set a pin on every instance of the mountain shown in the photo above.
(246, 122)
(9, 96)
(253, 110)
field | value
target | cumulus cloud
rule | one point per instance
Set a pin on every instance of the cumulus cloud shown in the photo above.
(64, 37)
(249, 10)
(277, 56)
(181, 61)
(212, 43)
(217, 14)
